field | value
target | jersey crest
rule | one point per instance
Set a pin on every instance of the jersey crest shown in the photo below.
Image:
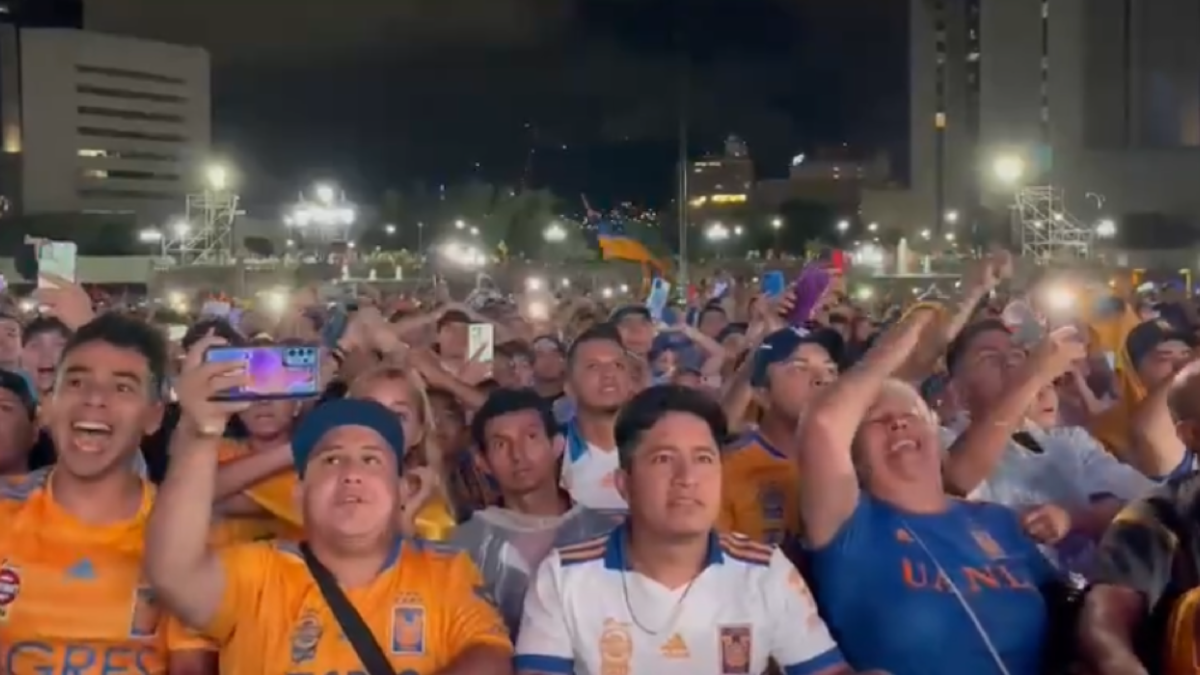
(735, 650)
(306, 635)
(616, 648)
(408, 629)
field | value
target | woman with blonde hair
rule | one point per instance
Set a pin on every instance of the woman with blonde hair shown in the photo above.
(428, 513)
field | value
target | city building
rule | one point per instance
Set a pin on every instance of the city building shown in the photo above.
(717, 184)
(1098, 98)
(113, 125)
(832, 176)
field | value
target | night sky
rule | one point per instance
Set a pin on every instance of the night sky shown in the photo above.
(384, 93)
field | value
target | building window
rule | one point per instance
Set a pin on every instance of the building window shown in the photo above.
(131, 135)
(112, 92)
(106, 193)
(129, 74)
(138, 115)
(128, 154)
(128, 174)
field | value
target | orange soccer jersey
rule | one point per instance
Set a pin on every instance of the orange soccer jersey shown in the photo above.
(423, 609)
(72, 596)
(759, 492)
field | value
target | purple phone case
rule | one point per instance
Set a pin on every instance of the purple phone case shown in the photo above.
(808, 289)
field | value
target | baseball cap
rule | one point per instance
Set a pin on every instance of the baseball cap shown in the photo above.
(1147, 336)
(624, 312)
(18, 384)
(779, 347)
(346, 412)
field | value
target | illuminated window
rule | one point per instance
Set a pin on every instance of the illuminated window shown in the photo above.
(95, 173)
(87, 152)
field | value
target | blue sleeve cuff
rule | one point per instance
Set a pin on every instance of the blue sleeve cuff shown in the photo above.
(816, 664)
(542, 663)
(1185, 467)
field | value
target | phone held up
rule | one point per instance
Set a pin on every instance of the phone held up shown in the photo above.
(277, 372)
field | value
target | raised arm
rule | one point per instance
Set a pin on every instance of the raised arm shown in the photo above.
(828, 482)
(179, 565)
(976, 453)
(1156, 449)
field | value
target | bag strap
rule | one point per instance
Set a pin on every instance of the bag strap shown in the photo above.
(962, 601)
(353, 627)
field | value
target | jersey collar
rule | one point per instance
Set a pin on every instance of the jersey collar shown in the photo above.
(615, 557)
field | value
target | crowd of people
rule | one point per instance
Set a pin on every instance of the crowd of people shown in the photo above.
(929, 489)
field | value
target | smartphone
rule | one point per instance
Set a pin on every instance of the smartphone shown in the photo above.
(58, 258)
(808, 290)
(277, 372)
(773, 284)
(481, 340)
(660, 292)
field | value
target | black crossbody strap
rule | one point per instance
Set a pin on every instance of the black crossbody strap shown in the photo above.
(353, 627)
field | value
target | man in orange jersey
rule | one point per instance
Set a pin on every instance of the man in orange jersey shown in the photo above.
(760, 499)
(420, 603)
(72, 595)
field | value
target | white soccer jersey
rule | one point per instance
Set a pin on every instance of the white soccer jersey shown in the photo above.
(586, 613)
(589, 474)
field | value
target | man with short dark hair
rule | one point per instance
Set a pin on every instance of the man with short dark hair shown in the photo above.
(520, 449)
(599, 382)
(665, 592)
(76, 532)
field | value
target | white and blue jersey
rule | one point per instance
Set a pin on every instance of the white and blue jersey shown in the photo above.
(587, 613)
(589, 473)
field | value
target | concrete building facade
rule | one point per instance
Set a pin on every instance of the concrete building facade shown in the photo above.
(1098, 97)
(95, 123)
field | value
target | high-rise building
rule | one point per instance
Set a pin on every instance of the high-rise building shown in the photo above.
(113, 124)
(716, 182)
(1098, 97)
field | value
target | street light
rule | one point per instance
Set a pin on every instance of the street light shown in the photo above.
(926, 234)
(716, 232)
(1106, 229)
(1008, 168)
(181, 228)
(459, 224)
(843, 225)
(873, 227)
(389, 229)
(950, 237)
(737, 231)
(776, 223)
(555, 233)
(952, 217)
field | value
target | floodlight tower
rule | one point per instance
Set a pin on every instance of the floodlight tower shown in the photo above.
(1048, 232)
(324, 215)
(205, 234)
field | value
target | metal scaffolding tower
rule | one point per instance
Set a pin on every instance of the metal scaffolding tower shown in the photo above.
(205, 235)
(1048, 231)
